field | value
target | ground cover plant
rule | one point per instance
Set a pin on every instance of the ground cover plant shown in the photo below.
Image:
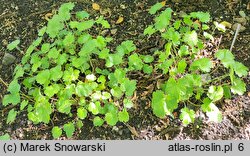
(68, 70)
(191, 82)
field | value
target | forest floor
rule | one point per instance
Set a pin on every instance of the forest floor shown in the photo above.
(22, 19)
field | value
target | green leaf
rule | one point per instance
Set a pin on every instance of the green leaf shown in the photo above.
(52, 90)
(214, 115)
(70, 75)
(120, 75)
(69, 128)
(5, 137)
(163, 20)
(155, 8)
(53, 53)
(13, 44)
(225, 56)
(79, 124)
(24, 103)
(158, 104)
(172, 35)
(85, 25)
(211, 110)
(135, 62)
(88, 48)
(183, 51)
(149, 30)
(11, 116)
(191, 38)
(82, 113)
(208, 36)
(148, 58)
(123, 116)
(14, 87)
(111, 118)
(83, 89)
(127, 103)
(98, 121)
(147, 69)
(240, 69)
(64, 106)
(114, 59)
(204, 64)
(202, 16)
(56, 132)
(103, 22)
(215, 93)
(90, 77)
(19, 71)
(187, 116)
(129, 87)
(238, 87)
(45, 48)
(227, 92)
(126, 47)
(104, 53)
(42, 31)
(43, 110)
(11, 99)
(54, 26)
(82, 15)
(219, 26)
(181, 66)
(43, 77)
(69, 39)
(93, 108)
(56, 73)
(116, 92)
(64, 10)
(84, 38)
(106, 95)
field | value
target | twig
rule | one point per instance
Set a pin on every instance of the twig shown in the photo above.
(2, 81)
(235, 36)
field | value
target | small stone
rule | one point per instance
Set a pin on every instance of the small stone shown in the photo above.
(8, 59)
(113, 31)
(242, 28)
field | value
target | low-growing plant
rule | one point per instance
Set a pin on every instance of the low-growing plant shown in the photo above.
(68, 70)
(191, 82)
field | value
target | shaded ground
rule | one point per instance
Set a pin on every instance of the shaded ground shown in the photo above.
(21, 19)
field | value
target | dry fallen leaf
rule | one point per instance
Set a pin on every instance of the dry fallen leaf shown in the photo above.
(119, 20)
(48, 16)
(198, 23)
(226, 24)
(248, 6)
(132, 130)
(163, 3)
(96, 6)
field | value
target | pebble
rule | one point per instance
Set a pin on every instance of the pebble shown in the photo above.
(8, 59)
